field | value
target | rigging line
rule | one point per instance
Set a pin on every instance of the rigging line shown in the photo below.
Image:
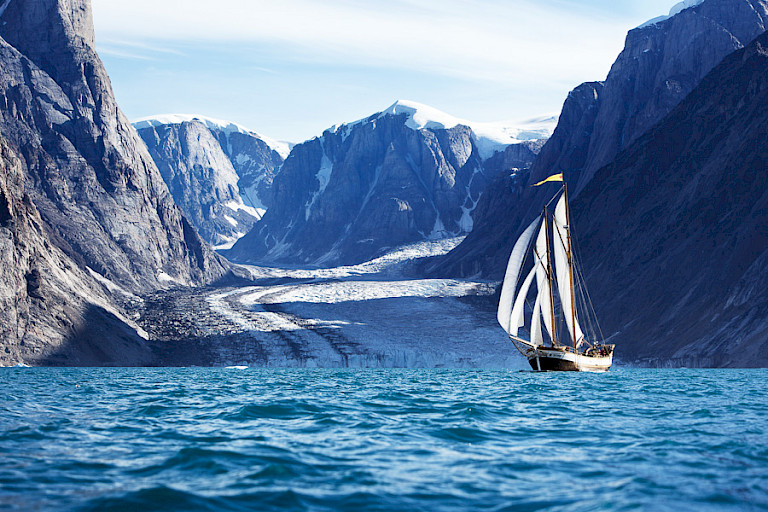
(577, 265)
(551, 200)
(591, 305)
(590, 319)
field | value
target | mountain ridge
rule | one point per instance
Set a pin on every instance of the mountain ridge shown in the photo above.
(218, 172)
(373, 184)
(675, 263)
(98, 211)
(659, 65)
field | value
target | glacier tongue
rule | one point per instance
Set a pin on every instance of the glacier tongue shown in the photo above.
(366, 315)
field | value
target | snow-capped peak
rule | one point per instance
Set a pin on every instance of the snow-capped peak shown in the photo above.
(422, 116)
(228, 127)
(676, 9)
(489, 137)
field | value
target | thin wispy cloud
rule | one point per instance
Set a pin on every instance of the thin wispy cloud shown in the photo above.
(134, 50)
(483, 40)
(112, 51)
(477, 59)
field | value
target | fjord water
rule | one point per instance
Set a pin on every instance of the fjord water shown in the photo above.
(426, 440)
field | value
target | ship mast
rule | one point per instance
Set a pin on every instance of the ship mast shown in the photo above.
(570, 263)
(549, 281)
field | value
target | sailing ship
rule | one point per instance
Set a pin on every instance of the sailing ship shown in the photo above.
(556, 340)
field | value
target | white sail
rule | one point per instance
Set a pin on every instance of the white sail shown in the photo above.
(537, 339)
(563, 270)
(544, 296)
(518, 311)
(504, 314)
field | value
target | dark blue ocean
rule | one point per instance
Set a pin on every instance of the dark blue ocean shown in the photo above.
(422, 440)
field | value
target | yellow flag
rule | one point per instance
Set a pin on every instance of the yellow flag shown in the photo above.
(556, 177)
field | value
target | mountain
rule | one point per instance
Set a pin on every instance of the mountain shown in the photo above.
(675, 230)
(661, 63)
(51, 310)
(405, 174)
(219, 173)
(90, 220)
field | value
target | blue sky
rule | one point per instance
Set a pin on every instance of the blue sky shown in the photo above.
(291, 68)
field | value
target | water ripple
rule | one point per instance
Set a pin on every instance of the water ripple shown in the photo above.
(330, 440)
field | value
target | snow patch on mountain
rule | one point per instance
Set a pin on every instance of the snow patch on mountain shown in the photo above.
(250, 210)
(281, 147)
(489, 137)
(4, 6)
(323, 176)
(677, 9)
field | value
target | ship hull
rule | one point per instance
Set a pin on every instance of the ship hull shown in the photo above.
(553, 360)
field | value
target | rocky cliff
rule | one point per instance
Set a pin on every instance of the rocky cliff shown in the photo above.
(219, 173)
(95, 215)
(52, 311)
(406, 174)
(673, 234)
(87, 171)
(660, 65)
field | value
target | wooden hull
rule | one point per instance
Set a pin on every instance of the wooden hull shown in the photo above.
(558, 360)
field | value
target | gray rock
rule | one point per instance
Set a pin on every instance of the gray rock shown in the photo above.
(219, 173)
(88, 220)
(362, 188)
(256, 160)
(659, 66)
(87, 171)
(52, 312)
(675, 261)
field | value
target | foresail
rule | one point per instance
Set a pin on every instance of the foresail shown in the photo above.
(563, 270)
(537, 339)
(518, 311)
(504, 314)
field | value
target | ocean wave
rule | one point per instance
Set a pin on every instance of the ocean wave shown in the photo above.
(439, 440)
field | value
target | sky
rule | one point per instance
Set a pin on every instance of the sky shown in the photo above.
(289, 69)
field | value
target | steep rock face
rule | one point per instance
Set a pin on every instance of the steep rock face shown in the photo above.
(509, 196)
(86, 170)
(256, 160)
(202, 179)
(660, 65)
(52, 311)
(378, 183)
(675, 259)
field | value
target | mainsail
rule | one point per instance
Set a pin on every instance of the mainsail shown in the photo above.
(564, 271)
(518, 311)
(541, 257)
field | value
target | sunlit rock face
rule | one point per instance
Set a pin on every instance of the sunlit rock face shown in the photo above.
(409, 173)
(218, 172)
(92, 198)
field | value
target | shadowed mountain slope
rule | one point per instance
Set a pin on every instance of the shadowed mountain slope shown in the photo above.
(660, 65)
(675, 231)
(406, 174)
